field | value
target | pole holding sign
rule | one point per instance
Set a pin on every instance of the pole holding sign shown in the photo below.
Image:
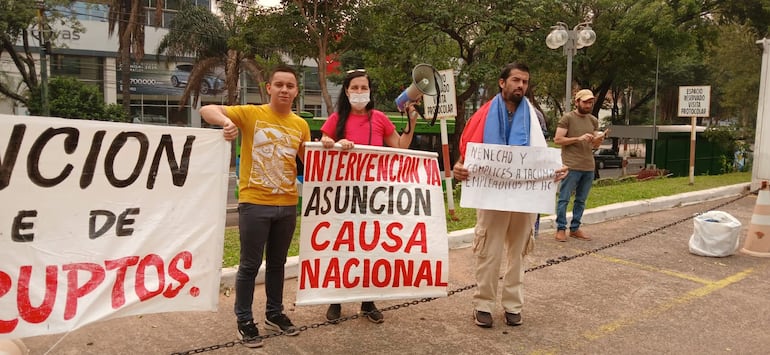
(694, 102)
(447, 107)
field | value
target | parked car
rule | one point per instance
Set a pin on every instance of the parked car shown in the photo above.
(607, 158)
(150, 118)
(210, 84)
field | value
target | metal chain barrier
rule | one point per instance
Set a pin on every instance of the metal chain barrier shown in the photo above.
(549, 262)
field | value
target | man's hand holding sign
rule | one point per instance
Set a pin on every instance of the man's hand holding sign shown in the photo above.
(510, 178)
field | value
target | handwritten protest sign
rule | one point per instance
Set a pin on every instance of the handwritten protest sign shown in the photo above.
(510, 178)
(373, 226)
(101, 220)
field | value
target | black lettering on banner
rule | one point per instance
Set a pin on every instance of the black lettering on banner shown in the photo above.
(19, 225)
(118, 143)
(11, 153)
(120, 222)
(178, 166)
(120, 228)
(359, 200)
(178, 173)
(33, 160)
(92, 233)
(88, 168)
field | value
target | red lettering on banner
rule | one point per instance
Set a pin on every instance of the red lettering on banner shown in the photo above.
(36, 314)
(362, 236)
(178, 275)
(333, 165)
(314, 242)
(140, 285)
(439, 276)
(393, 171)
(346, 281)
(345, 237)
(74, 292)
(121, 265)
(402, 270)
(381, 269)
(366, 277)
(365, 273)
(347, 240)
(432, 171)
(352, 167)
(332, 273)
(389, 230)
(6, 326)
(424, 274)
(419, 238)
(369, 167)
(340, 166)
(308, 274)
(94, 276)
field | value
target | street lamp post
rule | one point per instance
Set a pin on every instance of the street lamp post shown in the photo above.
(580, 36)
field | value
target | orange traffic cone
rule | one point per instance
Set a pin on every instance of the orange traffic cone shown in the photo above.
(757, 241)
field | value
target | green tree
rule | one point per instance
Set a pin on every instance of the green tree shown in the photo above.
(317, 31)
(20, 23)
(733, 61)
(230, 41)
(71, 98)
(475, 39)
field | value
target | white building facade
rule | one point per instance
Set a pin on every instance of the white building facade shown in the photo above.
(156, 86)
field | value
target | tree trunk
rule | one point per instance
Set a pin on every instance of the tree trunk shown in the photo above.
(232, 74)
(125, 76)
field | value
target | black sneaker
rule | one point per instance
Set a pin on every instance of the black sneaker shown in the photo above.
(334, 312)
(281, 323)
(513, 319)
(249, 334)
(482, 319)
(371, 312)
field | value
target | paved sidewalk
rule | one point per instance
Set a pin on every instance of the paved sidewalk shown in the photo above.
(647, 295)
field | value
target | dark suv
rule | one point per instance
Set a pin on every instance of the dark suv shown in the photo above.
(607, 158)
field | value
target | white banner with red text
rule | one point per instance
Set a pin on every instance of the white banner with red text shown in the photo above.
(373, 226)
(102, 219)
(510, 178)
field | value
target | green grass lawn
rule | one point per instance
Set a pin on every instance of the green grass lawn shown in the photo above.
(599, 196)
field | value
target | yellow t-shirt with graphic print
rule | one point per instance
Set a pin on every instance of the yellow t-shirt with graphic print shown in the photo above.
(270, 142)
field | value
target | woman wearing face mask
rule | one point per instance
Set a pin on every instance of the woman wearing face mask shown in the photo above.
(357, 122)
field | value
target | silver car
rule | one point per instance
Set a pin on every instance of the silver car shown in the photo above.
(210, 85)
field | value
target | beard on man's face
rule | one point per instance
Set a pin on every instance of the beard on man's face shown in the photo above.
(514, 97)
(583, 111)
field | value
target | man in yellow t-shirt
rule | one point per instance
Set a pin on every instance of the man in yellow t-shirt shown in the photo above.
(273, 136)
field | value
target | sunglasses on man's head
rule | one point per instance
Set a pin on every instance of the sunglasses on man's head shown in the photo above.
(356, 71)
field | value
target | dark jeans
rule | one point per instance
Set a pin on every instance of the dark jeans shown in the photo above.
(268, 230)
(580, 182)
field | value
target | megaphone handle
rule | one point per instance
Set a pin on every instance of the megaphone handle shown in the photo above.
(438, 97)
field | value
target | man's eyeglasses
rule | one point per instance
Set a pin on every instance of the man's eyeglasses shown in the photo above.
(356, 71)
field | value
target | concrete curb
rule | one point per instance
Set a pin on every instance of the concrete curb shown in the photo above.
(463, 238)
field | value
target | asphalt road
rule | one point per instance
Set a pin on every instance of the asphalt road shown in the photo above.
(634, 289)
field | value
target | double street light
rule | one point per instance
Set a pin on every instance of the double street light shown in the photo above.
(580, 36)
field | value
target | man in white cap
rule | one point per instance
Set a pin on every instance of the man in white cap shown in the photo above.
(578, 135)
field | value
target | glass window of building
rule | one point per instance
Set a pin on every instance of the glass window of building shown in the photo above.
(86, 69)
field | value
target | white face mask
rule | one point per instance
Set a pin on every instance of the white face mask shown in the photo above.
(359, 101)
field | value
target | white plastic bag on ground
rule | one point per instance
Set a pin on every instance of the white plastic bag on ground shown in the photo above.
(716, 234)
